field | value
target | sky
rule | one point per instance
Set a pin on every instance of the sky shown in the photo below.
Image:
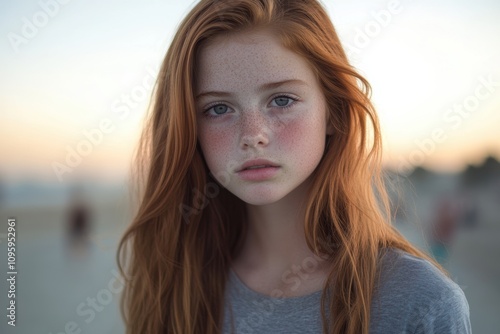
(81, 72)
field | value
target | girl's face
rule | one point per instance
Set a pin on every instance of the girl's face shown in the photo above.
(257, 100)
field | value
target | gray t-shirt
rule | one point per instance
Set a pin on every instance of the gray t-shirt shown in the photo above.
(412, 296)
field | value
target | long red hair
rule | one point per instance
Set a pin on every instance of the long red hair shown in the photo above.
(177, 252)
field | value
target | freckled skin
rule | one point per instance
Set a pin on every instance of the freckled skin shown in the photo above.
(252, 124)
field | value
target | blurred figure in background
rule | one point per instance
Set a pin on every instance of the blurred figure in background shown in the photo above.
(443, 229)
(78, 224)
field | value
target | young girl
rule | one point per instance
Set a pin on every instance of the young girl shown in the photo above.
(262, 207)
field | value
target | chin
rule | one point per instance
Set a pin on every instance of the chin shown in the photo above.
(260, 198)
(257, 201)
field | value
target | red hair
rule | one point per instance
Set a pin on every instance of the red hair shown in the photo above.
(181, 245)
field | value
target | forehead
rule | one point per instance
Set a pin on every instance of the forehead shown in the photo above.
(250, 58)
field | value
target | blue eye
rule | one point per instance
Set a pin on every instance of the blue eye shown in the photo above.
(220, 109)
(282, 102)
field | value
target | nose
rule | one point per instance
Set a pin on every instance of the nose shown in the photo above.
(254, 130)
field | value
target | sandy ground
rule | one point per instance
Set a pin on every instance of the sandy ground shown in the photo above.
(55, 283)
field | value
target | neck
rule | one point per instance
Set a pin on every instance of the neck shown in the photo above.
(275, 240)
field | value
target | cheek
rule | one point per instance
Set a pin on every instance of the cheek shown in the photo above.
(290, 135)
(303, 144)
(301, 136)
(216, 146)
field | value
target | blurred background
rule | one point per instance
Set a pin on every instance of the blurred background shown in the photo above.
(76, 78)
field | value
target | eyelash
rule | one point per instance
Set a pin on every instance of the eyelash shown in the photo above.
(206, 114)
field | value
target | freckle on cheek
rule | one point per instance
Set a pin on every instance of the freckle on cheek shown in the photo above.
(216, 144)
(291, 134)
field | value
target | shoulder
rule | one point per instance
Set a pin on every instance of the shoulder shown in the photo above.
(407, 271)
(416, 297)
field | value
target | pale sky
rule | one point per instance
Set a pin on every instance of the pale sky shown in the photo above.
(434, 67)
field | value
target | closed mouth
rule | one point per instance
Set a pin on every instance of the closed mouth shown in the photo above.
(256, 164)
(257, 167)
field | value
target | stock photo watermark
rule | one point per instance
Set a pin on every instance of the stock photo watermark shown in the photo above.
(265, 308)
(11, 271)
(381, 19)
(31, 26)
(122, 107)
(89, 308)
(210, 191)
(452, 118)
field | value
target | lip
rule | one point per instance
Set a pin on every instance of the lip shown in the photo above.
(258, 174)
(256, 162)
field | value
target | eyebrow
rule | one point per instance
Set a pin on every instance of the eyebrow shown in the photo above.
(262, 88)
